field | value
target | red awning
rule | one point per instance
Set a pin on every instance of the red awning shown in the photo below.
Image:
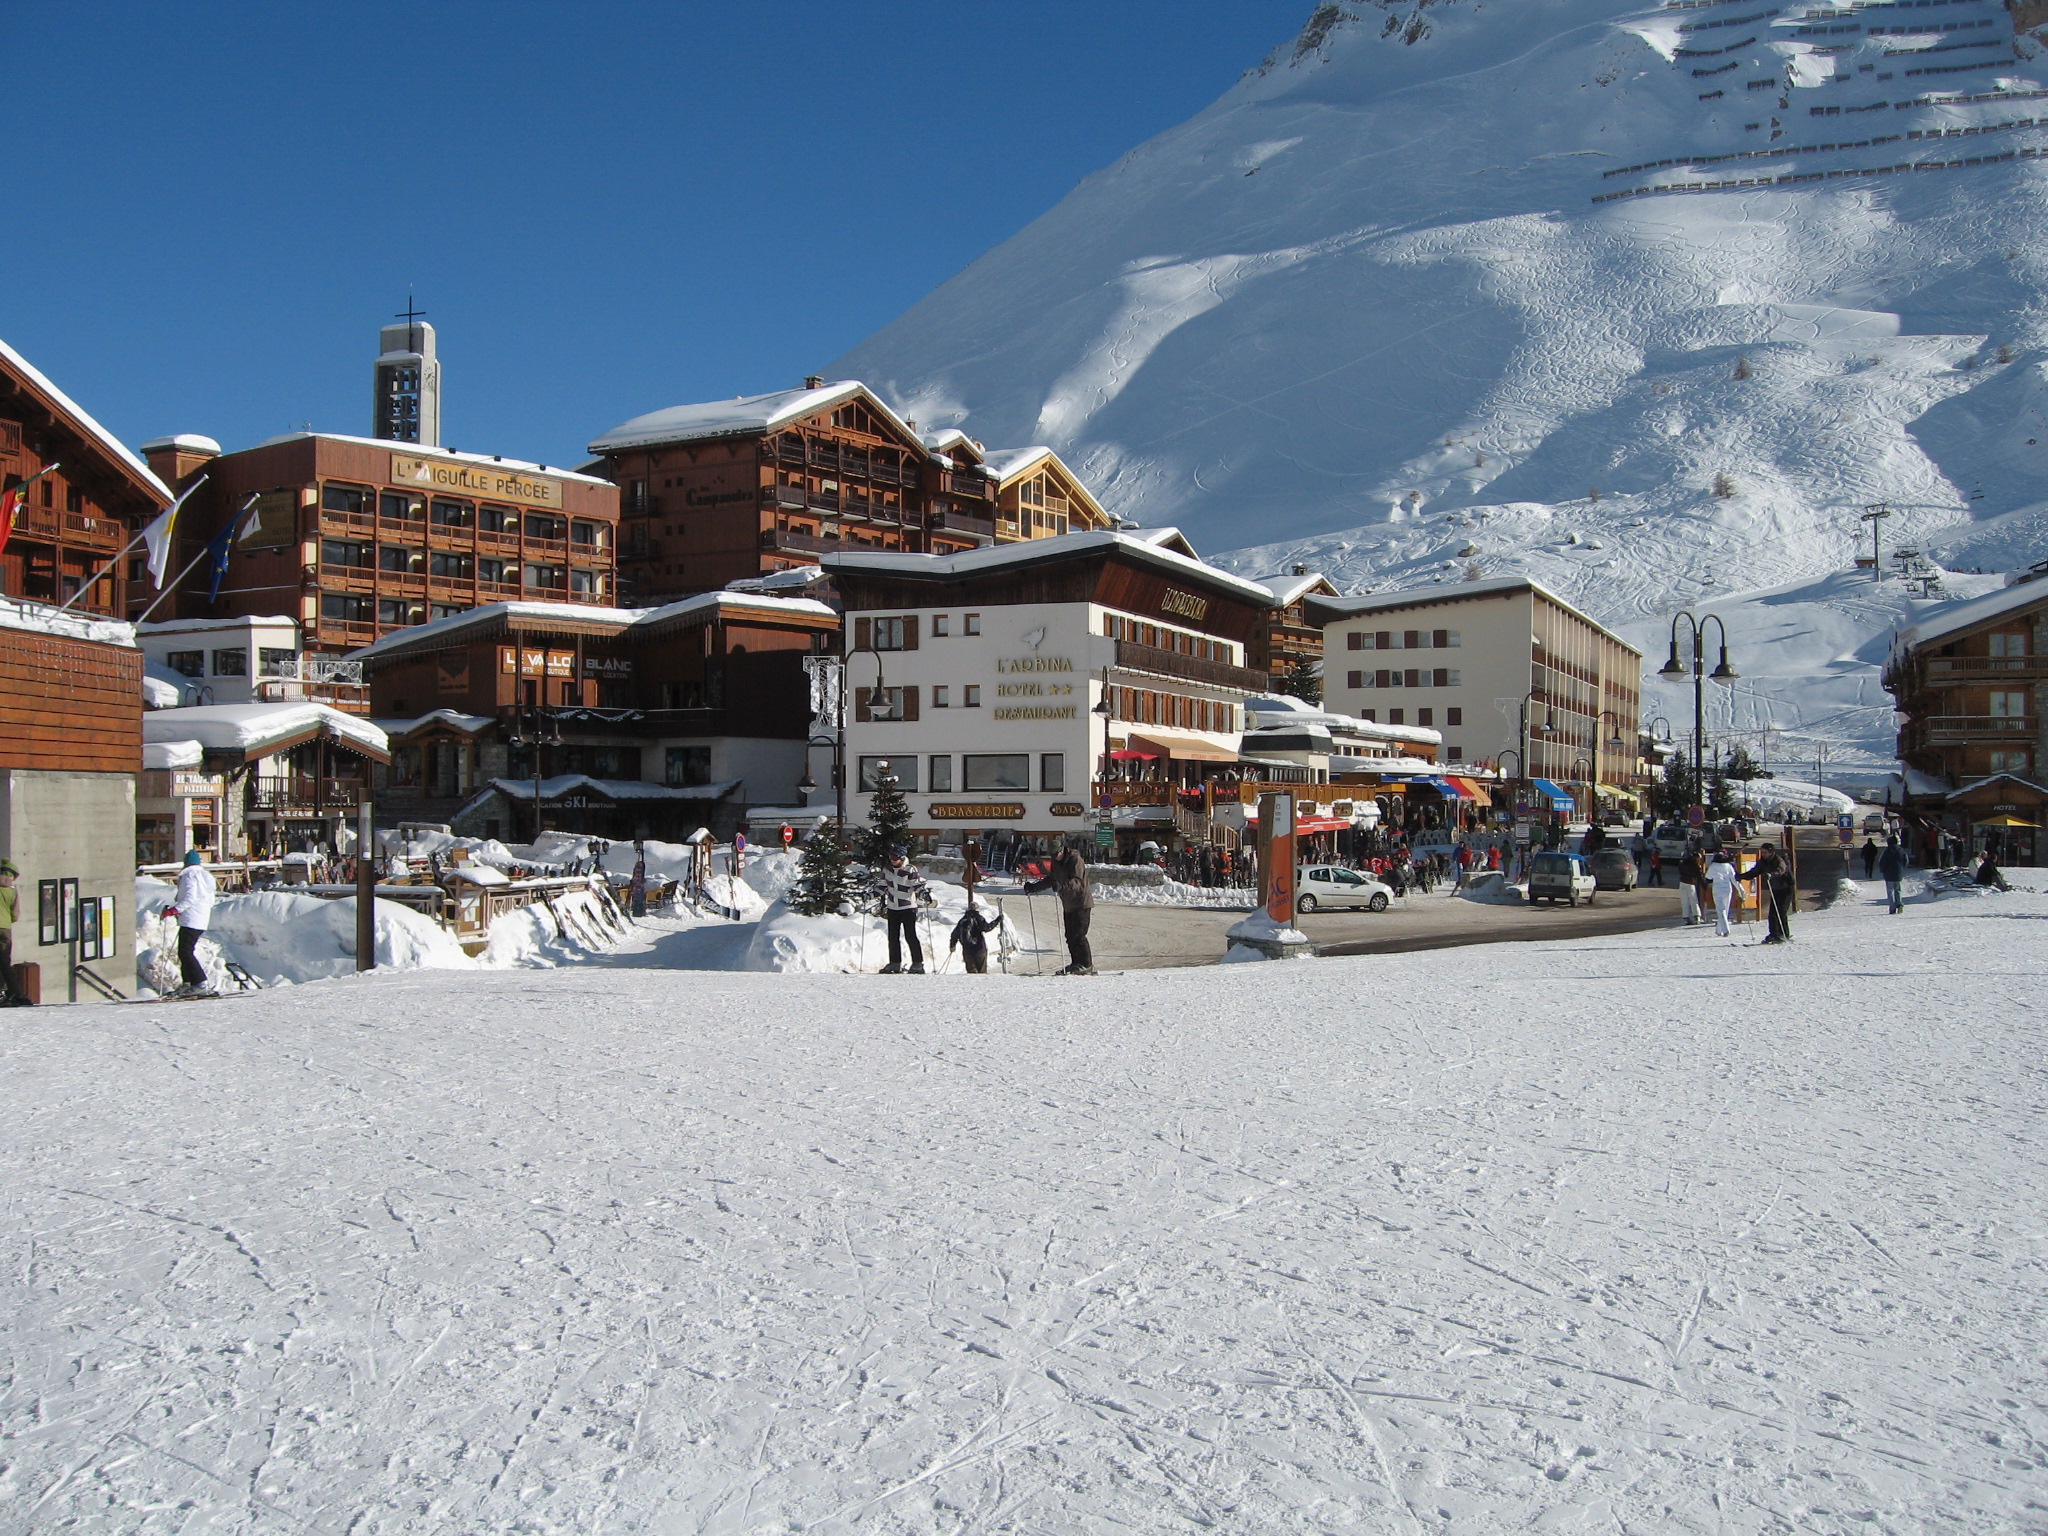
(1323, 824)
(1124, 756)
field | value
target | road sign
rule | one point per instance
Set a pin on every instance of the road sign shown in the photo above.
(1105, 835)
(1696, 817)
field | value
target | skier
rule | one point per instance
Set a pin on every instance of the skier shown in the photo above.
(1692, 883)
(1869, 852)
(1069, 878)
(9, 910)
(970, 936)
(1722, 875)
(1773, 877)
(636, 888)
(193, 908)
(1892, 865)
(902, 891)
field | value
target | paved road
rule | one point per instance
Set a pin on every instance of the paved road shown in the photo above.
(1139, 938)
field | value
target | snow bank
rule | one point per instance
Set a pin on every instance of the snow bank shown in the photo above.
(786, 941)
(1491, 887)
(281, 936)
(575, 927)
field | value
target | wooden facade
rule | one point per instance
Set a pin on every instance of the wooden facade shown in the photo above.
(1039, 497)
(77, 518)
(358, 538)
(69, 704)
(1290, 639)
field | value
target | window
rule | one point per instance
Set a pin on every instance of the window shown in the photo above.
(1411, 639)
(1052, 772)
(1454, 717)
(905, 770)
(277, 662)
(1369, 714)
(396, 557)
(345, 498)
(189, 663)
(446, 567)
(942, 697)
(348, 554)
(400, 507)
(231, 662)
(971, 696)
(1382, 640)
(542, 527)
(584, 582)
(942, 625)
(445, 610)
(1354, 679)
(495, 519)
(2009, 645)
(453, 514)
(995, 770)
(940, 776)
(340, 608)
(1355, 641)
(1395, 717)
(1425, 717)
(883, 704)
(1455, 754)
(586, 534)
(893, 634)
(2008, 705)
(544, 576)
(396, 610)
(1442, 677)
(2009, 762)
(494, 570)
(970, 624)
(688, 766)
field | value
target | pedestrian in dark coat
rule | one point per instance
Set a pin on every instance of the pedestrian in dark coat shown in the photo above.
(1773, 877)
(1068, 879)
(1892, 865)
(970, 937)
(1869, 851)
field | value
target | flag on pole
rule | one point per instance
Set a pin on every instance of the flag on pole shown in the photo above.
(231, 532)
(14, 500)
(158, 537)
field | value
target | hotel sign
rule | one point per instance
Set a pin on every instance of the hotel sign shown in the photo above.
(965, 810)
(476, 480)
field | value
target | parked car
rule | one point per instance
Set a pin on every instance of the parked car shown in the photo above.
(1671, 839)
(1332, 885)
(1565, 877)
(1614, 869)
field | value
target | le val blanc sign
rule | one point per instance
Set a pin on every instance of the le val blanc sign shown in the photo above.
(476, 480)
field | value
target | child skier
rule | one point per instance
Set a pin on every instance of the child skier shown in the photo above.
(970, 937)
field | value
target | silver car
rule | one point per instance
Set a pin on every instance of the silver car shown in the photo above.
(1332, 885)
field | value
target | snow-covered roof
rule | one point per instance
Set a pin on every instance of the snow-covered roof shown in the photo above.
(1283, 711)
(1452, 592)
(614, 789)
(172, 754)
(190, 442)
(794, 578)
(1286, 587)
(469, 724)
(99, 434)
(487, 460)
(257, 730)
(161, 689)
(2010, 778)
(745, 413)
(43, 619)
(437, 631)
(1950, 618)
(976, 562)
(1408, 765)
(1006, 464)
(179, 626)
(943, 442)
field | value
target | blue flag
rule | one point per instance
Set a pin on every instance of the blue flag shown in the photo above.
(217, 552)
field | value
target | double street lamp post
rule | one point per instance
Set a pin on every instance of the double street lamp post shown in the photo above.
(533, 728)
(1674, 669)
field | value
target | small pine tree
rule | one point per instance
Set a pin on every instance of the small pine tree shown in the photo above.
(1741, 766)
(1720, 798)
(1742, 368)
(888, 820)
(1304, 681)
(824, 881)
(1593, 495)
(1680, 789)
(1724, 487)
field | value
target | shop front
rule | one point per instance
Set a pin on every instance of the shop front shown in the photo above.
(2005, 815)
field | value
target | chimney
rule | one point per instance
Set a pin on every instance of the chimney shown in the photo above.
(176, 459)
(812, 381)
(1301, 570)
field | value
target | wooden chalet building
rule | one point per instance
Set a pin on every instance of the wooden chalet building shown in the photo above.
(1038, 497)
(1970, 683)
(357, 537)
(1291, 639)
(637, 723)
(77, 517)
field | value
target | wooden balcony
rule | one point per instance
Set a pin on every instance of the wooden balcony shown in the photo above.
(305, 794)
(1956, 669)
(1132, 657)
(1960, 728)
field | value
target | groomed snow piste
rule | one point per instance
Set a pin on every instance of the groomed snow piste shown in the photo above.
(1648, 1233)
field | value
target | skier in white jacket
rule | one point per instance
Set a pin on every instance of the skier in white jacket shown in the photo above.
(1723, 876)
(194, 911)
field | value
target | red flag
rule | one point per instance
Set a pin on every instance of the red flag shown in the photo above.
(13, 501)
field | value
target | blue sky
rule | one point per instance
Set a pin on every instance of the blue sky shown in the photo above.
(604, 208)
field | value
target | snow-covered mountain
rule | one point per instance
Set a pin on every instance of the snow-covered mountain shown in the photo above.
(1416, 295)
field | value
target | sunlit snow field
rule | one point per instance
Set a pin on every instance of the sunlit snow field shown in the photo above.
(1651, 1233)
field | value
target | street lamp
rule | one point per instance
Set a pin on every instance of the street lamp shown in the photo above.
(535, 738)
(1723, 673)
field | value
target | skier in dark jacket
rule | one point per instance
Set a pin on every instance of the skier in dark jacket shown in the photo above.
(970, 937)
(1068, 877)
(1773, 877)
(901, 891)
(1892, 865)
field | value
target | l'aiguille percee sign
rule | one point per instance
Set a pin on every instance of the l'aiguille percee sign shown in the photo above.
(475, 480)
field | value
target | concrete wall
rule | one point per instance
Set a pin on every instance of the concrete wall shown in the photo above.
(55, 825)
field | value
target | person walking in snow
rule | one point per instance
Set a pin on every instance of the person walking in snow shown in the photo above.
(193, 908)
(1869, 852)
(1773, 877)
(636, 888)
(1722, 876)
(1068, 878)
(970, 936)
(1892, 865)
(1692, 883)
(902, 892)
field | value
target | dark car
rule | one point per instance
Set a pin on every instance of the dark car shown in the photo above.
(1614, 869)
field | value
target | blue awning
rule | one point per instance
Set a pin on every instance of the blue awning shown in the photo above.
(1560, 799)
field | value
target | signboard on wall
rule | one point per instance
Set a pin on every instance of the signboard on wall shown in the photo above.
(975, 810)
(488, 480)
(276, 521)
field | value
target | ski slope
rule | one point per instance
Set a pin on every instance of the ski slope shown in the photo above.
(1649, 1233)
(1365, 312)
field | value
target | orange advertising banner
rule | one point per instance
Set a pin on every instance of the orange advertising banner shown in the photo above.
(1276, 820)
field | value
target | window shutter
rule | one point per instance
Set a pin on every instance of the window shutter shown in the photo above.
(862, 701)
(1355, 641)
(1440, 638)
(1354, 679)
(910, 633)
(1384, 639)
(863, 637)
(1443, 677)
(910, 694)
